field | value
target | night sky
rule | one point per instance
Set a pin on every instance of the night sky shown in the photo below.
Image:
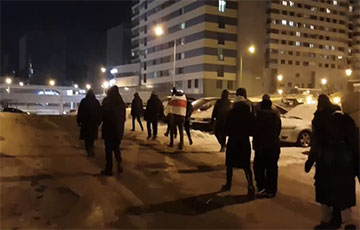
(84, 23)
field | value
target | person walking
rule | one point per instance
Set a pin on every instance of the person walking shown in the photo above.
(113, 118)
(239, 124)
(89, 119)
(335, 153)
(189, 110)
(153, 113)
(218, 118)
(176, 111)
(266, 143)
(137, 111)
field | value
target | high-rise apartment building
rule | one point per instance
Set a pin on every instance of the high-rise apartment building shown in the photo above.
(261, 45)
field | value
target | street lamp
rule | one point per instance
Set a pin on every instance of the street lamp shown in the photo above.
(159, 31)
(52, 82)
(323, 81)
(105, 84)
(348, 72)
(251, 50)
(8, 81)
(88, 86)
(76, 86)
(280, 91)
(21, 83)
(280, 77)
(103, 69)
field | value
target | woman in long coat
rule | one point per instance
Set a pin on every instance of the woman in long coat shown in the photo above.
(238, 150)
(89, 119)
(113, 118)
(335, 153)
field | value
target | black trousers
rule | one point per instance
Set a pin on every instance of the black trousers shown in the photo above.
(187, 130)
(177, 122)
(229, 175)
(89, 146)
(266, 169)
(221, 137)
(112, 146)
(138, 118)
(154, 125)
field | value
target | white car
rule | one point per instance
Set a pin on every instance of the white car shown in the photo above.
(296, 125)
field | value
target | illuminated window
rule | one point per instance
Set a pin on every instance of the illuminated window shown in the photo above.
(298, 34)
(283, 22)
(313, 8)
(326, 47)
(335, 2)
(297, 43)
(350, 9)
(340, 57)
(291, 3)
(332, 47)
(222, 5)
(328, 10)
(311, 45)
(284, 3)
(312, 27)
(182, 25)
(220, 54)
(291, 23)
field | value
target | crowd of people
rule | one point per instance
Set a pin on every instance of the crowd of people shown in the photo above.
(334, 149)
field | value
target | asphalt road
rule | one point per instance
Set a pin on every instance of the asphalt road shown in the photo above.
(48, 182)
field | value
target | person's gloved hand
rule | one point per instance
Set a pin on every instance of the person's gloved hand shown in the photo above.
(308, 165)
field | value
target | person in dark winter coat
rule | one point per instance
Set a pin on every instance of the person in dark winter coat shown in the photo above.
(266, 143)
(218, 117)
(153, 113)
(113, 118)
(137, 111)
(239, 128)
(189, 110)
(89, 119)
(335, 153)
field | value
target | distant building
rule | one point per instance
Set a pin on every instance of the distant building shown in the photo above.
(118, 45)
(265, 46)
(42, 55)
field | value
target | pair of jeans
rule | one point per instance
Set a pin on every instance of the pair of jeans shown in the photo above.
(154, 125)
(112, 146)
(137, 117)
(177, 122)
(229, 175)
(89, 146)
(266, 169)
(187, 130)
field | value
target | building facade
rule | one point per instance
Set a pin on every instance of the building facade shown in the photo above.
(264, 46)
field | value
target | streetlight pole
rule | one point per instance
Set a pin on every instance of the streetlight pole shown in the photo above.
(251, 50)
(174, 63)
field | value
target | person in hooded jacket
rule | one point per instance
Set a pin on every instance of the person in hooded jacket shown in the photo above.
(187, 126)
(153, 113)
(89, 119)
(239, 126)
(113, 118)
(334, 150)
(266, 143)
(218, 117)
(137, 111)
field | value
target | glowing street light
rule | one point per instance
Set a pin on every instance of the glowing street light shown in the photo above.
(8, 81)
(280, 77)
(252, 49)
(103, 69)
(88, 86)
(21, 83)
(52, 82)
(76, 86)
(348, 72)
(280, 91)
(105, 84)
(323, 81)
(159, 31)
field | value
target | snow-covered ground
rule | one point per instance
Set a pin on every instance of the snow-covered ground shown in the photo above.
(47, 182)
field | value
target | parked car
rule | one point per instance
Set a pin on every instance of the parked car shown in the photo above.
(296, 124)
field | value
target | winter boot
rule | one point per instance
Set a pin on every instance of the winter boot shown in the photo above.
(226, 187)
